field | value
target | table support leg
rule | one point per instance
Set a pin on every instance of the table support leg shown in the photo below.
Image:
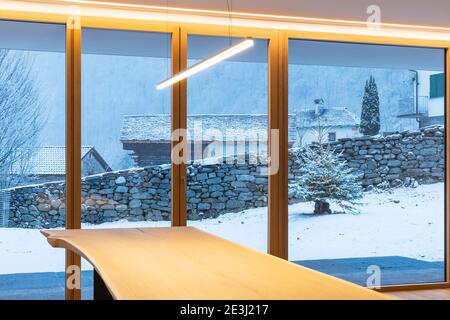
(101, 292)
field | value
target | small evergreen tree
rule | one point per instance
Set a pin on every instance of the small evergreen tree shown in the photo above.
(325, 177)
(370, 112)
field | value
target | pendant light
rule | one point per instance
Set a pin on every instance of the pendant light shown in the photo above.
(204, 64)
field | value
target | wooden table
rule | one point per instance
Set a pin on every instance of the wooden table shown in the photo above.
(186, 263)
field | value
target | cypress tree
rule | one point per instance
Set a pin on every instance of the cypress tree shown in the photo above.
(370, 112)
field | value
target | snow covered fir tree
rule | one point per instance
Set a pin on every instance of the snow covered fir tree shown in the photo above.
(326, 178)
(370, 112)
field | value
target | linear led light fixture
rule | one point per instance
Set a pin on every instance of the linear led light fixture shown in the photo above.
(202, 65)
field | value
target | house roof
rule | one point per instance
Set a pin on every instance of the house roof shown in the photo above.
(202, 127)
(51, 160)
(329, 117)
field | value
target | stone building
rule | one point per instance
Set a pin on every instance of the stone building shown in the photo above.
(338, 123)
(49, 163)
(427, 105)
(148, 137)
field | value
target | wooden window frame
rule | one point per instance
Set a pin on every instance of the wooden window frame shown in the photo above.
(73, 142)
(277, 110)
(437, 44)
(277, 208)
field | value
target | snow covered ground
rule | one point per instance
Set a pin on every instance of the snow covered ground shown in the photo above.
(404, 222)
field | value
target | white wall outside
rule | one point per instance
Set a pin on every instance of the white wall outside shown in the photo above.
(435, 105)
(341, 132)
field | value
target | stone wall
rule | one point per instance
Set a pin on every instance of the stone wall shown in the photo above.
(409, 155)
(214, 189)
(220, 188)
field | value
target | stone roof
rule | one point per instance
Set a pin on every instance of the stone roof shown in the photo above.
(202, 127)
(329, 117)
(51, 160)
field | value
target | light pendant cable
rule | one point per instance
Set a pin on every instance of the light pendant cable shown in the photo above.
(230, 8)
(202, 65)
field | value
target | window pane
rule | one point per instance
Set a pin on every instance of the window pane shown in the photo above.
(126, 130)
(227, 132)
(32, 159)
(366, 183)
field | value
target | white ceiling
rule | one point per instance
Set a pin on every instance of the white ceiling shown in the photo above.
(419, 12)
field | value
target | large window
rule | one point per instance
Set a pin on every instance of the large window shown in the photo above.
(366, 143)
(126, 130)
(32, 158)
(227, 132)
(367, 168)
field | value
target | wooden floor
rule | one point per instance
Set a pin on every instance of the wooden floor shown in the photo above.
(434, 294)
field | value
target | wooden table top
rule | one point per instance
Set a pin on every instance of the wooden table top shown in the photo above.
(186, 263)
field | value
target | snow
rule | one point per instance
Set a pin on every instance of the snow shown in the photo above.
(406, 222)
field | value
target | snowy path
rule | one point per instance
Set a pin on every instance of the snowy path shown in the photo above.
(406, 222)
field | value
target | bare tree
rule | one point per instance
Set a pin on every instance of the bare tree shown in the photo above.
(303, 124)
(20, 118)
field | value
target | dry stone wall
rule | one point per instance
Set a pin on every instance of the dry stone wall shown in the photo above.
(214, 189)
